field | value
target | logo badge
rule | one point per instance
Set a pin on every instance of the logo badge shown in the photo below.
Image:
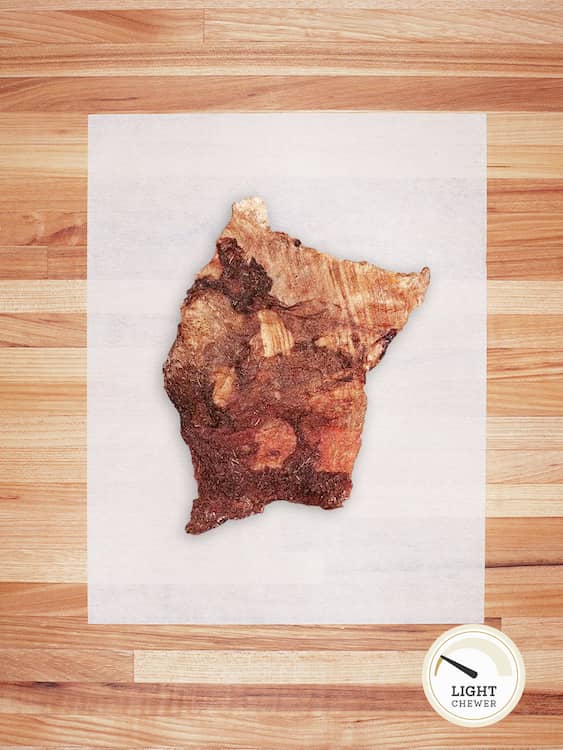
(473, 675)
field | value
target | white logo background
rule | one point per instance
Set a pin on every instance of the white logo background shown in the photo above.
(473, 675)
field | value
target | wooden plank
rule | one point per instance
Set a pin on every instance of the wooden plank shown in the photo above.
(506, 195)
(290, 4)
(525, 162)
(32, 159)
(540, 702)
(527, 632)
(524, 500)
(524, 591)
(51, 296)
(524, 398)
(525, 466)
(23, 263)
(273, 93)
(525, 147)
(56, 564)
(44, 228)
(39, 175)
(66, 262)
(175, 699)
(50, 191)
(47, 431)
(39, 128)
(45, 330)
(47, 399)
(43, 464)
(69, 497)
(536, 365)
(31, 519)
(44, 599)
(43, 365)
(543, 666)
(526, 231)
(425, 58)
(217, 729)
(90, 26)
(524, 541)
(242, 25)
(44, 562)
(525, 331)
(526, 297)
(527, 261)
(74, 632)
(509, 129)
(523, 433)
(66, 665)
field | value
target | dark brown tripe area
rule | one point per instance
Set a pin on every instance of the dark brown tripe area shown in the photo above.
(268, 368)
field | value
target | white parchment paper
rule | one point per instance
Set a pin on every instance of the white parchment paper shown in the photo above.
(398, 190)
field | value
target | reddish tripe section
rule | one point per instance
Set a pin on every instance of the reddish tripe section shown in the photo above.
(268, 367)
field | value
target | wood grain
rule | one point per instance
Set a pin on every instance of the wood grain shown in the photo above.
(74, 632)
(529, 364)
(283, 667)
(23, 263)
(512, 195)
(65, 683)
(527, 500)
(217, 729)
(84, 27)
(525, 297)
(43, 399)
(274, 93)
(42, 296)
(42, 228)
(62, 665)
(43, 365)
(521, 541)
(525, 261)
(515, 5)
(521, 590)
(524, 398)
(524, 631)
(523, 433)
(362, 58)
(66, 262)
(43, 599)
(304, 25)
(527, 331)
(40, 128)
(176, 698)
(42, 330)
(524, 466)
(527, 232)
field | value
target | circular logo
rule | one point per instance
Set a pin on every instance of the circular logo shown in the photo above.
(473, 675)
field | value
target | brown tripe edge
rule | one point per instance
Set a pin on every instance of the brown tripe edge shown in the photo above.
(268, 367)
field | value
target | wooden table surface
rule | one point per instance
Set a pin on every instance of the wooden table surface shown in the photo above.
(64, 683)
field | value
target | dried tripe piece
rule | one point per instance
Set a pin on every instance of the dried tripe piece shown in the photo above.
(268, 367)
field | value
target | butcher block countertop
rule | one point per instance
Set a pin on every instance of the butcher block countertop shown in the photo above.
(64, 683)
